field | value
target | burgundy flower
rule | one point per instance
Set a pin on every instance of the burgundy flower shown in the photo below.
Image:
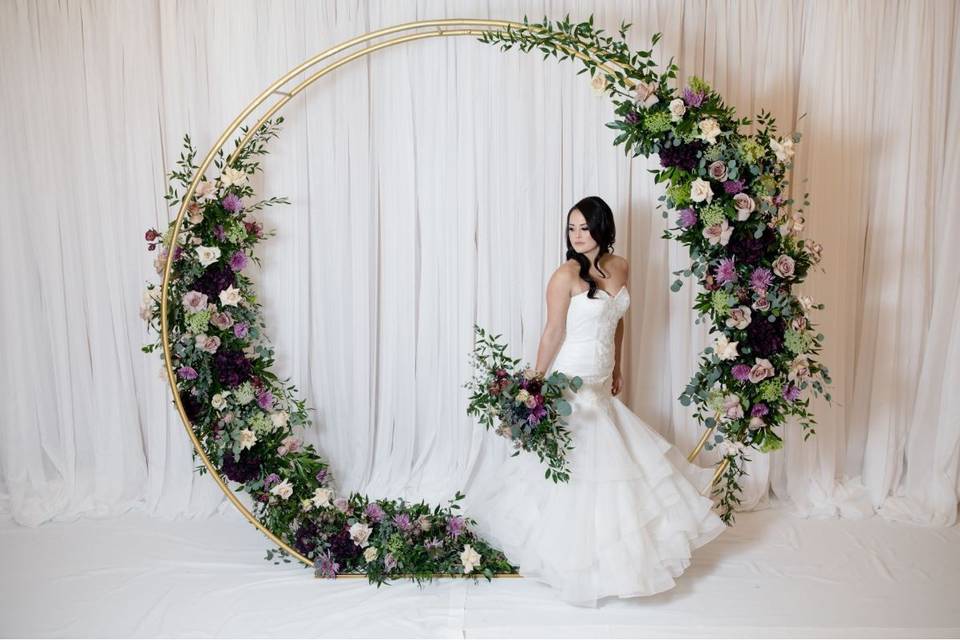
(343, 548)
(241, 470)
(683, 156)
(214, 280)
(191, 406)
(231, 367)
(305, 537)
(746, 248)
(765, 338)
(151, 235)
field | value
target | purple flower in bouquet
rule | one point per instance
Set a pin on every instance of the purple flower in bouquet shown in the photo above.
(343, 547)
(733, 187)
(761, 279)
(214, 280)
(191, 406)
(533, 419)
(305, 537)
(187, 373)
(242, 470)
(791, 392)
(232, 203)
(374, 512)
(219, 233)
(632, 117)
(455, 526)
(741, 372)
(265, 400)
(322, 475)
(402, 522)
(746, 248)
(683, 156)
(271, 480)
(726, 271)
(177, 252)
(433, 543)
(389, 562)
(238, 261)
(240, 329)
(692, 98)
(688, 218)
(231, 367)
(759, 410)
(765, 338)
(325, 566)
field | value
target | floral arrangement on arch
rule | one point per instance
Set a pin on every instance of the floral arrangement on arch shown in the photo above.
(250, 423)
(729, 192)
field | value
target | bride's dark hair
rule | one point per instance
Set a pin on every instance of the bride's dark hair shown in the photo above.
(599, 219)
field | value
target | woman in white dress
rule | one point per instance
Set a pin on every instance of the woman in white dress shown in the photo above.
(632, 512)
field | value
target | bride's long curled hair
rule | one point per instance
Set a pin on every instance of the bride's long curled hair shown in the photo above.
(599, 219)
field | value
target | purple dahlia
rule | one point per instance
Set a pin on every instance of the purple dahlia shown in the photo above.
(231, 367)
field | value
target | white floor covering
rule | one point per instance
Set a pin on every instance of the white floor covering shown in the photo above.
(771, 575)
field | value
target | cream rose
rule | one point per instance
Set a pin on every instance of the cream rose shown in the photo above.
(283, 489)
(469, 558)
(782, 148)
(359, 533)
(230, 296)
(761, 370)
(709, 130)
(677, 109)
(701, 191)
(279, 419)
(646, 93)
(247, 438)
(219, 400)
(739, 317)
(321, 497)
(799, 369)
(599, 83)
(732, 409)
(370, 554)
(208, 255)
(305, 504)
(233, 177)
(718, 233)
(523, 396)
(724, 348)
(205, 191)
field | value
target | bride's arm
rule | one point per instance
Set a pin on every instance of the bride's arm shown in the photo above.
(618, 340)
(558, 300)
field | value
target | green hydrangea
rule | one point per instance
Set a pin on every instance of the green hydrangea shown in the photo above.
(765, 185)
(712, 214)
(395, 544)
(236, 233)
(720, 301)
(769, 390)
(715, 400)
(697, 84)
(679, 193)
(244, 393)
(715, 152)
(657, 122)
(797, 343)
(198, 322)
(261, 423)
(750, 150)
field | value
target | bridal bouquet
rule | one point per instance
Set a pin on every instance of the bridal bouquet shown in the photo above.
(530, 409)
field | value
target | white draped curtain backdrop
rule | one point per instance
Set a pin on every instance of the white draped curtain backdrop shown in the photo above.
(429, 184)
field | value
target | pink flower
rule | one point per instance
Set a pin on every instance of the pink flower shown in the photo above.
(187, 373)
(210, 344)
(194, 301)
(221, 321)
(761, 370)
(741, 372)
(717, 170)
(783, 266)
(290, 444)
(238, 261)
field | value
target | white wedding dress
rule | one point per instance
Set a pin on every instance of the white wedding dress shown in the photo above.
(627, 521)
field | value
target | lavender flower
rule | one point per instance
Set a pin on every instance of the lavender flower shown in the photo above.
(232, 203)
(270, 480)
(325, 567)
(726, 271)
(402, 522)
(759, 410)
(389, 562)
(240, 329)
(741, 372)
(632, 117)
(761, 279)
(265, 400)
(322, 475)
(219, 233)
(688, 218)
(433, 543)
(791, 392)
(374, 512)
(733, 187)
(187, 373)
(455, 526)
(238, 261)
(692, 98)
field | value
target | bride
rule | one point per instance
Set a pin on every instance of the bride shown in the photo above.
(627, 521)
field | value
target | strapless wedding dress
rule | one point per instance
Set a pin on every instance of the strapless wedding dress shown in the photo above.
(632, 512)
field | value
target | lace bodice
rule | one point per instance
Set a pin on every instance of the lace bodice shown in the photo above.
(588, 347)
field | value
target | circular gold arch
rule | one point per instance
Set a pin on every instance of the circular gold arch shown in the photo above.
(424, 29)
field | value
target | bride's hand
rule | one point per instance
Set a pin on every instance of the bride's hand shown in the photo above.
(617, 382)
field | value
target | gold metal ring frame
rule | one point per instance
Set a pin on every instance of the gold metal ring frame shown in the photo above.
(422, 30)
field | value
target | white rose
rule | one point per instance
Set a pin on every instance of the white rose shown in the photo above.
(677, 109)
(230, 296)
(599, 82)
(370, 554)
(205, 191)
(718, 233)
(806, 302)
(469, 558)
(283, 489)
(208, 255)
(701, 191)
(799, 369)
(247, 439)
(219, 400)
(233, 177)
(359, 533)
(279, 419)
(709, 130)
(782, 148)
(725, 349)
(321, 497)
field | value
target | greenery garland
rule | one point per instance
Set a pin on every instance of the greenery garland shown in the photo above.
(729, 192)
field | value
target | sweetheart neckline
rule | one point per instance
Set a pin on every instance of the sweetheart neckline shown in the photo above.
(613, 296)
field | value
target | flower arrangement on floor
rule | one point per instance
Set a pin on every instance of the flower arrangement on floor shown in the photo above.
(248, 421)
(729, 191)
(529, 408)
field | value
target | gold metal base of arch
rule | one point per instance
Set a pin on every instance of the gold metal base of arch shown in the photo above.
(422, 30)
